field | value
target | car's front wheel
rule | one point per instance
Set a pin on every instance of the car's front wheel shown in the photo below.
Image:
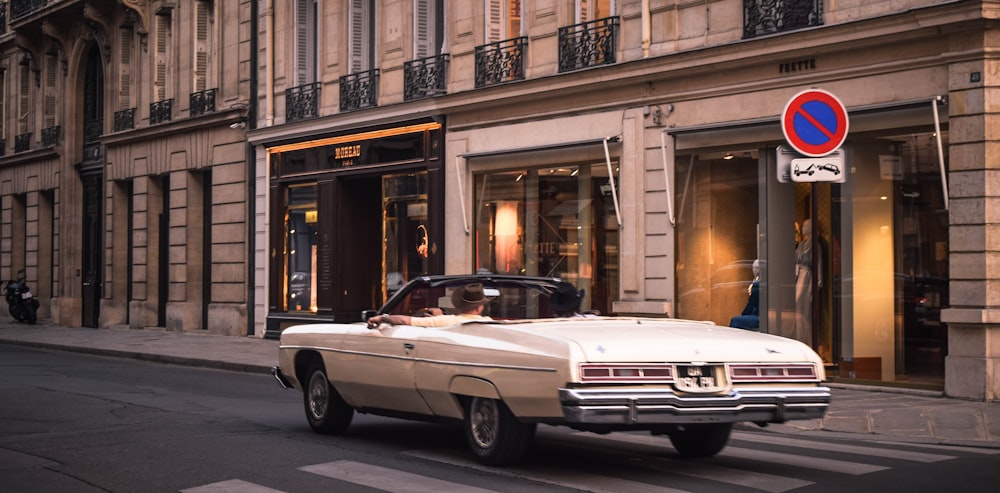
(701, 440)
(325, 409)
(494, 434)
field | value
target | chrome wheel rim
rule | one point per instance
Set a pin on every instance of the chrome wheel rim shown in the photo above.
(319, 395)
(483, 419)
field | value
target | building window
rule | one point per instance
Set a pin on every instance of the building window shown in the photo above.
(361, 48)
(161, 81)
(204, 49)
(503, 20)
(301, 220)
(126, 40)
(553, 222)
(24, 110)
(51, 88)
(306, 41)
(428, 28)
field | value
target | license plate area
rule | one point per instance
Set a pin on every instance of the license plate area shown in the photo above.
(701, 379)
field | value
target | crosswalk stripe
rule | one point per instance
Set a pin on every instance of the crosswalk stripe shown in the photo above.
(888, 453)
(817, 463)
(231, 486)
(386, 479)
(739, 477)
(551, 475)
(953, 448)
(832, 465)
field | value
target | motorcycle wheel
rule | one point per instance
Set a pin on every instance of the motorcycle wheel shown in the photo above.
(30, 313)
(17, 311)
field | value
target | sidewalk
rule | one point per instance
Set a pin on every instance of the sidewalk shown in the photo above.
(895, 414)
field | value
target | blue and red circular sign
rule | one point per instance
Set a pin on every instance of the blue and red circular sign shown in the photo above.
(814, 122)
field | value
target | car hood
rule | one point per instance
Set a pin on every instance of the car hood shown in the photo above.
(629, 340)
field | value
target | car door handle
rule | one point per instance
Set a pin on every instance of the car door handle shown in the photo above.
(408, 346)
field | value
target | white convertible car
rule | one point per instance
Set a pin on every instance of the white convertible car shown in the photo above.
(500, 378)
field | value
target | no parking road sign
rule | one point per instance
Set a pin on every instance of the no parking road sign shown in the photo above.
(814, 122)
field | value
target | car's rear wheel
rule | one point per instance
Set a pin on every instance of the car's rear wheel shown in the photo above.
(325, 409)
(701, 440)
(494, 434)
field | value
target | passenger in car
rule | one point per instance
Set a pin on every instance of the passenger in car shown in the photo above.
(565, 301)
(469, 300)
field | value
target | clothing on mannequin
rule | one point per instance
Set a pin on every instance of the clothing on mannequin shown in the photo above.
(805, 273)
(749, 318)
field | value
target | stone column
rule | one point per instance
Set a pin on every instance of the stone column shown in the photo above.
(972, 367)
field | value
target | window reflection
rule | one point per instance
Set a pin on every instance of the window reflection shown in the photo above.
(301, 219)
(553, 222)
(405, 230)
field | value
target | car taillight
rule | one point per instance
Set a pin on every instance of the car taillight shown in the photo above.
(630, 373)
(764, 372)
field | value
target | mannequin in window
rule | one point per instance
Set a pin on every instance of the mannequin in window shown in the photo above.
(749, 319)
(805, 273)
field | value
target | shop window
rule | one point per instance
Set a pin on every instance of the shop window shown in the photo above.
(553, 222)
(301, 220)
(405, 229)
(717, 225)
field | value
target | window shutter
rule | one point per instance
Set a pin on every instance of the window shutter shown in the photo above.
(51, 69)
(127, 38)
(24, 99)
(496, 11)
(358, 45)
(301, 41)
(202, 45)
(3, 107)
(423, 25)
(162, 38)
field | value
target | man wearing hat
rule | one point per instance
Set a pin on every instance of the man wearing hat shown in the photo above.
(565, 301)
(469, 300)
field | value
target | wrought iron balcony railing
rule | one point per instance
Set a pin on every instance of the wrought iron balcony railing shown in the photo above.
(124, 120)
(161, 111)
(425, 77)
(203, 102)
(50, 136)
(22, 142)
(302, 102)
(762, 17)
(500, 62)
(359, 90)
(21, 8)
(588, 44)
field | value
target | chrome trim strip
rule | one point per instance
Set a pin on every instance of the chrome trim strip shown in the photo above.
(420, 360)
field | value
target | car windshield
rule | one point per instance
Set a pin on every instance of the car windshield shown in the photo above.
(508, 300)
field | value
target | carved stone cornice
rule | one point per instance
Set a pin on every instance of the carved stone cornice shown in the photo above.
(141, 9)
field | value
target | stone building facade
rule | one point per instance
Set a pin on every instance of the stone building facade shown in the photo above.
(635, 148)
(124, 166)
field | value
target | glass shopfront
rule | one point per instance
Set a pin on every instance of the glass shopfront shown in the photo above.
(858, 270)
(557, 221)
(359, 216)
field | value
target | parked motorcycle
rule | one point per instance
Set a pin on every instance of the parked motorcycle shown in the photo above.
(22, 304)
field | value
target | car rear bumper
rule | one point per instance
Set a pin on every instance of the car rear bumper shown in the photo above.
(281, 378)
(636, 407)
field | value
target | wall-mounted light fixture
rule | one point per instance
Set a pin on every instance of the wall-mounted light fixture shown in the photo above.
(238, 125)
(727, 156)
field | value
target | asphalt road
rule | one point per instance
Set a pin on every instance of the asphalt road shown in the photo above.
(80, 423)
